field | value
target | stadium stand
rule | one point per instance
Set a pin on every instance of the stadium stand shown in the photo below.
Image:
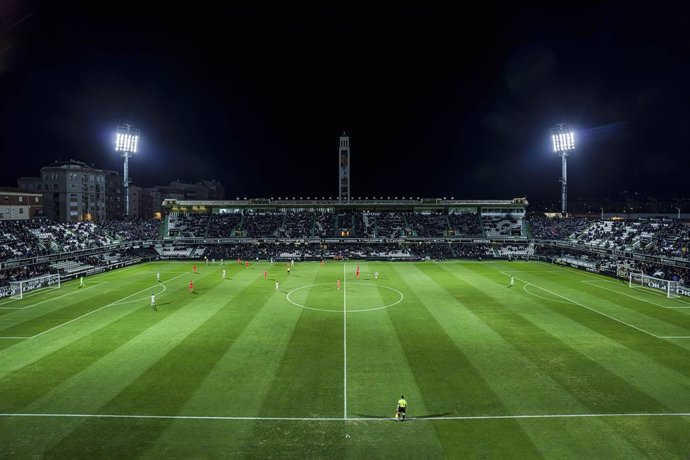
(464, 224)
(388, 224)
(224, 225)
(614, 247)
(546, 228)
(428, 224)
(515, 251)
(297, 224)
(504, 226)
(324, 225)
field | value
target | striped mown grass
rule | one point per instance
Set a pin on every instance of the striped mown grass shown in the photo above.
(563, 364)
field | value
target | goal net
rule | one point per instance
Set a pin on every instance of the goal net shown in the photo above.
(23, 287)
(670, 288)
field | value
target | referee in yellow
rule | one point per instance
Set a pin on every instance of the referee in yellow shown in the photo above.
(402, 407)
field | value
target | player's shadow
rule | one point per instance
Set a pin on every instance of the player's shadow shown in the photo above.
(444, 414)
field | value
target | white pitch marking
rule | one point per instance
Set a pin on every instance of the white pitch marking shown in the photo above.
(52, 298)
(119, 302)
(591, 309)
(344, 343)
(524, 288)
(644, 289)
(94, 311)
(402, 297)
(628, 295)
(530, 271)
(347, 419)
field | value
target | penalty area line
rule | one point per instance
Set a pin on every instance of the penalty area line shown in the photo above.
(347, 419)
(590, 308)
(52, 298)
(99, 309)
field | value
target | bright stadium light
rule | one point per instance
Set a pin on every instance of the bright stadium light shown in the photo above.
(563, 139)
(126, 142)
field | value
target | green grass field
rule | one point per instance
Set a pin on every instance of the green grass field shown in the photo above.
(565, 364)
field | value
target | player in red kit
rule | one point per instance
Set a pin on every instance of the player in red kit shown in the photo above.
(194, 268)
(265, 275)
(191, 285)
(357, 274)
(246, 264)
(338, 283)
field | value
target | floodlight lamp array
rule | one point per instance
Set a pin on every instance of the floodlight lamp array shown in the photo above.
(126, 142)
(563, 141)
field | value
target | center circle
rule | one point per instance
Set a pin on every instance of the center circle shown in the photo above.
(330, 299)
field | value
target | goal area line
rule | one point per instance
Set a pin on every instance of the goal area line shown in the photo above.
(346, 419)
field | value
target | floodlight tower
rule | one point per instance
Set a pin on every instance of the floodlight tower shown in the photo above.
(563, 139)
(126, 143)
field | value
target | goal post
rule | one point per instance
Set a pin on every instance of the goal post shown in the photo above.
(20, 288)
(670, 288)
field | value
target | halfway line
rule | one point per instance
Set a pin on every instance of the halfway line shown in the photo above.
(344, 343)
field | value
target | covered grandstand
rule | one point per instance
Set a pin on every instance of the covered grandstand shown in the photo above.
(397, 229)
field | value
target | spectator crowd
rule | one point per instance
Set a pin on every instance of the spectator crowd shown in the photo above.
(350, 234)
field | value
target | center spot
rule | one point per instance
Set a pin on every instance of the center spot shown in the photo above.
(352, 297)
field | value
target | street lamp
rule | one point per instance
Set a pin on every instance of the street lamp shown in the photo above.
(678, 209)
(563, 139)
(126, 143)
(602, 213)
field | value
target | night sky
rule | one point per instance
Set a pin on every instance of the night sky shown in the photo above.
(455, 102)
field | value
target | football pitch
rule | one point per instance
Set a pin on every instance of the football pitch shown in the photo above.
(564, 364)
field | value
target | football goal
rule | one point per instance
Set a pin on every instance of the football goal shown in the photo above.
(641, 280)
(23, 287)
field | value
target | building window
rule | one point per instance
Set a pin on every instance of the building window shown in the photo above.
(21, 198)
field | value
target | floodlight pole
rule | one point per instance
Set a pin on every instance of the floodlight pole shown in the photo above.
(563, 140)
(564, 182)
(125, 182)
(126, 144)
